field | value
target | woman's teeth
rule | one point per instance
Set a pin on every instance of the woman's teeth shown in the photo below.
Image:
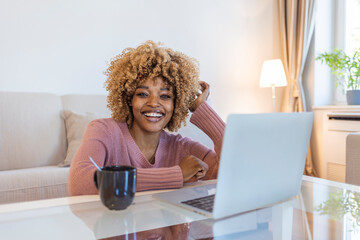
(153, 114)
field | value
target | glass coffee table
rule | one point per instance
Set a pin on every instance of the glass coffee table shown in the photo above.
(323, 210)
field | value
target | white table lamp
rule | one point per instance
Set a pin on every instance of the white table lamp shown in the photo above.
(273, 75)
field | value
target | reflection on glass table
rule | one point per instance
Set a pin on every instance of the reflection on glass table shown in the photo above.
(343, 205)
(274, 222)
(323, 210)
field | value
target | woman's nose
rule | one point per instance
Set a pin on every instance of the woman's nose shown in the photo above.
(153, 101)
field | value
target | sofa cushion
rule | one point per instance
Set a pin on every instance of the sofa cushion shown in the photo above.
(76, 124)
(32, 131)
(82, 108)
(33, 184)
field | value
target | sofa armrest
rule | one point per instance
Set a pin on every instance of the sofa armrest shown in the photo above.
(353, 158)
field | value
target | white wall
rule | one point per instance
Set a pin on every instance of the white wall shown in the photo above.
(63, 46)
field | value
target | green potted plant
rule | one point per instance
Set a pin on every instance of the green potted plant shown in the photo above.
(347, 71)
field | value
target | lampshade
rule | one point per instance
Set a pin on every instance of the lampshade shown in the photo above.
(273, 74)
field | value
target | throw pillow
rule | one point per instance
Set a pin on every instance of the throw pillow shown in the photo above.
(76, 124)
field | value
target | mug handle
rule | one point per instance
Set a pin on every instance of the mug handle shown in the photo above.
(95, 180)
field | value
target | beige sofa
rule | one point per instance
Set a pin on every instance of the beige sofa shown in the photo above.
(34, 140)
(39, 134)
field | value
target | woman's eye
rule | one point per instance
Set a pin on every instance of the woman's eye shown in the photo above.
(165, 96)
(141, 94)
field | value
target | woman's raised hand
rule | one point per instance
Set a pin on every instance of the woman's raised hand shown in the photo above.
(192, 166)
(201, 97)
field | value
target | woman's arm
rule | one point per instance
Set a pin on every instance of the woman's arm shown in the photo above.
(205, 118)
(159, 178)
(212, 125)
(94, 144)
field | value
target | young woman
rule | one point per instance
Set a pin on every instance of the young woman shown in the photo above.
(151, 88)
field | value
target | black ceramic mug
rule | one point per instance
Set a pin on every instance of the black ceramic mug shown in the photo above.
(116, 185)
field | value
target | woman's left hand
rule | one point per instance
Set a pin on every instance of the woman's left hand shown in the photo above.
(201, 97)
(192, 166)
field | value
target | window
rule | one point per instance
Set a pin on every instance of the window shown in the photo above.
(347, 34)
(352, 23)
(337, 25)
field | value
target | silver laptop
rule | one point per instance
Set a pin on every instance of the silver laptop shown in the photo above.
(262, 162)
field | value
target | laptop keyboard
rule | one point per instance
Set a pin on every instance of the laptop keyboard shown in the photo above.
(204, 203)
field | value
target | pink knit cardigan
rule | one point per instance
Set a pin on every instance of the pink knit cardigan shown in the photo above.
(110, 143)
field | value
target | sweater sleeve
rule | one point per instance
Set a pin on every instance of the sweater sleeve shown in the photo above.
(211, 124)
(159, 178)
(81, 175)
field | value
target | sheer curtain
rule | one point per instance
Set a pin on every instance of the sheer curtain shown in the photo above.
(296, 29)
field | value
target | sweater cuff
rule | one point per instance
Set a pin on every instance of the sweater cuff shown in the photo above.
(208, 121)
(159, 178)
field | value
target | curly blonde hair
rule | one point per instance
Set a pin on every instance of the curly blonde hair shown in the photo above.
(147, 61)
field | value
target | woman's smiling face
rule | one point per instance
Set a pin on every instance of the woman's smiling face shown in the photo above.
(152, 105)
